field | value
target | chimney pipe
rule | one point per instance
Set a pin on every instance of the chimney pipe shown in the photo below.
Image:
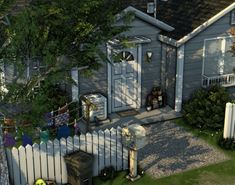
(155, 8)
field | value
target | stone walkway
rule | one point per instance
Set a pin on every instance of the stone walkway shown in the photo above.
(172, 150)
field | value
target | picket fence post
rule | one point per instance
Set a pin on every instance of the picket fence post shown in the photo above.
(229, 121)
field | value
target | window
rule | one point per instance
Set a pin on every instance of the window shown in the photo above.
(219, 62)
(123, 56)
(233, 17)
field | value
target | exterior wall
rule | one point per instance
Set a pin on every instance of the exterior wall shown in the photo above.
(97, 82)
(170, 75)
(150, 71)
(194, 54)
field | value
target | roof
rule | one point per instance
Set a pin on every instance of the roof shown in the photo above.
(146, 17)
(184, 15)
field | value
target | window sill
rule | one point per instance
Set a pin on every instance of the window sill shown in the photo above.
(227, 80)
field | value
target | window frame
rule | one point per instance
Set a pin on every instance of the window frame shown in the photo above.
(223, 50)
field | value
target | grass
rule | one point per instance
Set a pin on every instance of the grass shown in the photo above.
(217, 174)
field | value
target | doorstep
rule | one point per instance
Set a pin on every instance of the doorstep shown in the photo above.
(143, 118)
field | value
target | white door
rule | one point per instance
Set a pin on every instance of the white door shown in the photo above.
(124, 80)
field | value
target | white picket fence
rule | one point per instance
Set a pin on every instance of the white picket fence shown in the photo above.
(46, 160)
(229, 121)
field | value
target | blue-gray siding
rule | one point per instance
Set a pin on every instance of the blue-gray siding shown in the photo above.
(194, 54)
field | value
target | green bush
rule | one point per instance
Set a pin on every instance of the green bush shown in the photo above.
(227, 144)
(206, 108)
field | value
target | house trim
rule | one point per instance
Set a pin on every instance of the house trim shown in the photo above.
(198, 29)
(75, 88)
(109, 89)
(145, 17)
(139, 72)
(179, 78)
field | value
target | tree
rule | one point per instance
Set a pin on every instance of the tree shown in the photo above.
(61, 35)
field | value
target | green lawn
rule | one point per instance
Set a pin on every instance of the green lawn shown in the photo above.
(217, 174)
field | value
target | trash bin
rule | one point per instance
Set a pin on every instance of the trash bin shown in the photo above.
(79, 168)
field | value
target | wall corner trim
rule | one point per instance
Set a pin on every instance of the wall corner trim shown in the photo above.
(179, 79)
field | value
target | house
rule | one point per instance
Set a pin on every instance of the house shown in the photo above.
(179, 45)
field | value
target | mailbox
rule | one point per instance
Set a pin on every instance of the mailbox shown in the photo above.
(134, 136)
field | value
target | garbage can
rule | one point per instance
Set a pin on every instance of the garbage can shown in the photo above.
(79, 168)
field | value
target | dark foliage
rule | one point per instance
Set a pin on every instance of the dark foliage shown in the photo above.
(108, 173)
(206, 108)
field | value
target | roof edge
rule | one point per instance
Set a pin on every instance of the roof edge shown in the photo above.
(145, 17)
(199, 29)
(167, 40)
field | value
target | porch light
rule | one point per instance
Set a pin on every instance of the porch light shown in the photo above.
(149, 55)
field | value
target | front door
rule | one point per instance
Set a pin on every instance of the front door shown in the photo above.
(124, 80)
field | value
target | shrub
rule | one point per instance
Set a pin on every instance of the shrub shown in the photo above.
(206, 108)
(228, 144)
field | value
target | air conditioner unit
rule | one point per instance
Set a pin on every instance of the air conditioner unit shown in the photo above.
(100, 108)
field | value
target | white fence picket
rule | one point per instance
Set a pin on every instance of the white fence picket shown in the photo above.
(229, 121)
(82, 142)
(95, 153)
(10, 165)
(107, 147)
(57, 161)
(125, 155)
(69, 144)
(101, 150)
(113, 147)
(16, 165)
(36, 159)
(119, 149)
(232, 121)
(30, 165)
(43, 155)
(63, 164)
(23, 167)
(50, 159)
(125, 158)
(76, 143)
(89, 143)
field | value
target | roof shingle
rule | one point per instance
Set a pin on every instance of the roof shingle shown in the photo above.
(183, 15)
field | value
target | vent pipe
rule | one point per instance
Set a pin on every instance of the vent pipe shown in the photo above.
(152, 7)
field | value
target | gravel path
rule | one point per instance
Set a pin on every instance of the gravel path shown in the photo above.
(171, 150)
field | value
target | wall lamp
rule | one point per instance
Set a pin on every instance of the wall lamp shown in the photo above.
(149, 55)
